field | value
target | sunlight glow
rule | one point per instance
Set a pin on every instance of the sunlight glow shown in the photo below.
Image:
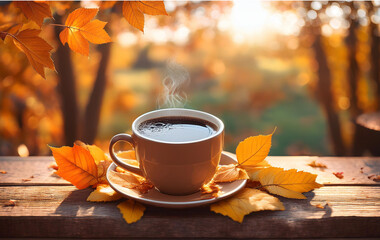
(254, 21)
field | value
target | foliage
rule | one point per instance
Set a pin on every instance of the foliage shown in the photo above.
(80, 165)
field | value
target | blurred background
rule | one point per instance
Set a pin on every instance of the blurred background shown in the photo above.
(308, 68)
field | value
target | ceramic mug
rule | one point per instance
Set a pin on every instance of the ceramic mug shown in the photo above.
(176, 168)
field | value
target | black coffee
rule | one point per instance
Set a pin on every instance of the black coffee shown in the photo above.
(177, 129)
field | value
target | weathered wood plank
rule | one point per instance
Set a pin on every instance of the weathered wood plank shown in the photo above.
(23, 168)
(29, 171)
(354, 211)
(356, 170)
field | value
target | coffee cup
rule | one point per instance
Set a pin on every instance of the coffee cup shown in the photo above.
(178, 149)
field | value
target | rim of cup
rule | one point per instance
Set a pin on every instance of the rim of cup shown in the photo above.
(177, 112)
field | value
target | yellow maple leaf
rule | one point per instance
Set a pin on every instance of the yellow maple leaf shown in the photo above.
(245, 202)
(229, 173)
(76, 165)
(80, 29)
(103, 193)
(288, 183)
(132, 211)
(133, 11)
(253, 150)
(35, 11)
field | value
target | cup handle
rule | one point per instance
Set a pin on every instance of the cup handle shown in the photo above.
(127, 138)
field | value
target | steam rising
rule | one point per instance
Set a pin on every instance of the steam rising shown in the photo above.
(176, 78)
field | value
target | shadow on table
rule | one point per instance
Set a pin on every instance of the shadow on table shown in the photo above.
(75, 204)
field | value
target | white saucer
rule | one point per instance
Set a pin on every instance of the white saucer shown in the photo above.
(156, 198)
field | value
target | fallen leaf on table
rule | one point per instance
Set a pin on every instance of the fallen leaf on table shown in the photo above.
(10, 203)
(76, 165)
(53, 165)
(253, 184)
(253, 150)
(130, 180)
(288, 183)
(80, 30)
(229, 173)
(338, 175)
(103, 193)
(245, 202)
(132, 211)
(314, 164)
(34, 10)
(320, 206)
(3, 172)
(375, 178)
(25, 180)
(210, 190)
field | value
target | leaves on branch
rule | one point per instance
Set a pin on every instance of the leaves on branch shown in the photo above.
(245, 202)
(34, 10)
(134, 11)
(288, 183)
(103, 193)
(80, 30)
(35, 48)
(132, 211)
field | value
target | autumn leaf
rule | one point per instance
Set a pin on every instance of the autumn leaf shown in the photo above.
(315, 164)
(253, 150)
(103, 193)
(132, 211)
(76, 165)
(210, 190)
(128, 157)
(229, 173)
(35, 11)
(80, 30)
(245, 202)
(288, 183)
(133, 11)
(130, 180)
(35, 48)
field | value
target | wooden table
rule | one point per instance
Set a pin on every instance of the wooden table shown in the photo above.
(47, 206)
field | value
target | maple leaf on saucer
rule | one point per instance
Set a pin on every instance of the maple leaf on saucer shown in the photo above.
(229, 173)
(80, 30)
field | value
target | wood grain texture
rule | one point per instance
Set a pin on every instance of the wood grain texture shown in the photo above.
(62, 211)
(29, 171)
(23, 168)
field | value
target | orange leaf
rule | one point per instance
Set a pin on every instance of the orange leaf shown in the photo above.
(80, 29)
(35, 11)
(35, 48)
(133, 14)
(76, 165)
(134, 11)
(152, 7)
